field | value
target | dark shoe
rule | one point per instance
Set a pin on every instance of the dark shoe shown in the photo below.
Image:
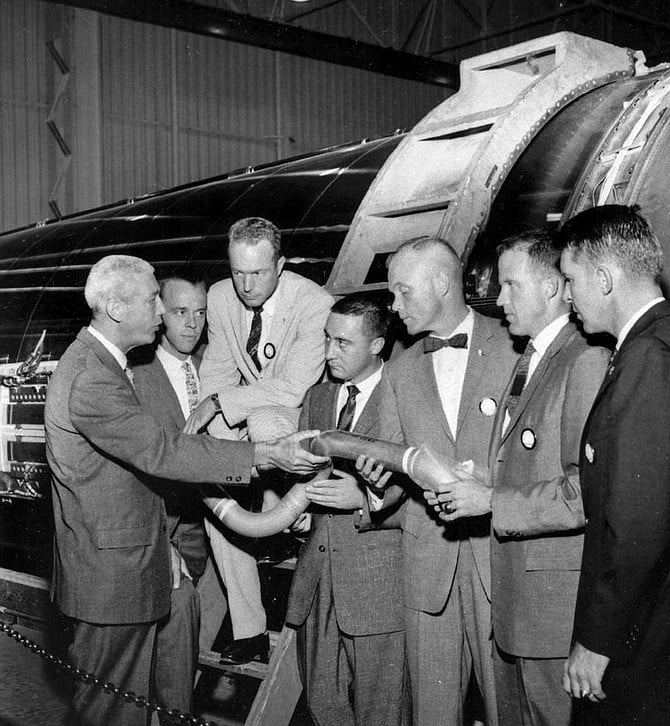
(244, 650)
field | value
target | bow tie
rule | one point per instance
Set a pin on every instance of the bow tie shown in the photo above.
(431, 343)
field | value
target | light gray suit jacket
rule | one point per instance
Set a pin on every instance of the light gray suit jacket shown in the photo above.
(112, 560)
(297, 336)
(411, 412)
(364, 558)
(538, 515)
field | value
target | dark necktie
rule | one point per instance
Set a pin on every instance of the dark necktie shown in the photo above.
(346, 417)
(255, 336)
(520, 377)
(431, 343)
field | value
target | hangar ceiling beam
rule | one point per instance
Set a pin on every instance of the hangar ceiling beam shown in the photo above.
(223, 24)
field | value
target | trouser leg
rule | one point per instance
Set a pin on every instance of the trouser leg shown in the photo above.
(118, 654)
(177, 650)
(239, 572)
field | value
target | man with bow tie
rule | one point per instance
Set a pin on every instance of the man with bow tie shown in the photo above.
(443, 392)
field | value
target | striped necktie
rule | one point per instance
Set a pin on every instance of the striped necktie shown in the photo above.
(348, 411)
(520, 377)
(255, 336)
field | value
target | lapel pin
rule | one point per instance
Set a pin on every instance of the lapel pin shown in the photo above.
(488, 406)
(589, 452)
(528, 439)
(269, 351)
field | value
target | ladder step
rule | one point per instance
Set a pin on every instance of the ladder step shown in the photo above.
(254, 669)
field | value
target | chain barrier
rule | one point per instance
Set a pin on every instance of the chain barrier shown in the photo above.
(174, 714)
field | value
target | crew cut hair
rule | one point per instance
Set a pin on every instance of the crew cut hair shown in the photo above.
(617, 232)
(540, 246)
(194, 279)
(252, 230)
(374, 311)
(114, 277)
(426, 243)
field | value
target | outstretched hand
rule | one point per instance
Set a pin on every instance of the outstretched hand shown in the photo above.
(289, 454)
(340, 491)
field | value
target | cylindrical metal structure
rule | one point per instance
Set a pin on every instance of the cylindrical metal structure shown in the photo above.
(537, 132)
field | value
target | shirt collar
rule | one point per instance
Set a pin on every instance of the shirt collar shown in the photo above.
(547, 335)
(465, 326)
(634, 318)
(368, 384)
(119, 355)
(170, 360)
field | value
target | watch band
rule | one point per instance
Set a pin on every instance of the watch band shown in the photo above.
(215, 400)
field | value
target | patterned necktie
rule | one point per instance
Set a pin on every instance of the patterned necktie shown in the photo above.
(191, 385)
(520, 377)
(346, 417)
(431, 343)
(255, 336)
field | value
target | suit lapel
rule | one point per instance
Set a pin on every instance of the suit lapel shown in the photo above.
(477, 363)
(557, 343)
(368, 420)
(283, 304)
(166, 389)
(106, 358)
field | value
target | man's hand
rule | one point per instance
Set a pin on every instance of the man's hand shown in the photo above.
(373, 474)
(341, 491)
(302, 525)
(288, 454)
(467, 497)
(583, 673)
(201, 415)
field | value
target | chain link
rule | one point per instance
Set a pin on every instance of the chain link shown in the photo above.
(174, 714)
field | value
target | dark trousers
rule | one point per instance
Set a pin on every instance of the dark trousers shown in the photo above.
(351, 680)
(118, 654)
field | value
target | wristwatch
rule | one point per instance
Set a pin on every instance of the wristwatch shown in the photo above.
(215, 400)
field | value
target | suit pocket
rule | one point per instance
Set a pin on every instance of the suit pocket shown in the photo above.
(554, 553)
(110, 539)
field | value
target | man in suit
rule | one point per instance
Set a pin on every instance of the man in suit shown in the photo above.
(443, 395)
(537, 514)
(112, 559)
(265, 350)
(346, 597)
(166, 383)
(612, 263)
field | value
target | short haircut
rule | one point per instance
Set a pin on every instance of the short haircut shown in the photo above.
(540, 246)
(371, 307)
(617, 232)
(114, 277)
(427, 243)
(192, 279)
(252, 230)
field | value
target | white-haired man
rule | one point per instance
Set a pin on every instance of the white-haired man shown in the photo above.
(112, 559)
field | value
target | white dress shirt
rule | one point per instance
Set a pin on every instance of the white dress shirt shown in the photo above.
(632, 320)
(365, 389)
(118, 354)
(541, 343)
(449, 365)
(175, 373)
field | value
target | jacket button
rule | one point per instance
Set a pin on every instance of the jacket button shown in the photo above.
(322, 548)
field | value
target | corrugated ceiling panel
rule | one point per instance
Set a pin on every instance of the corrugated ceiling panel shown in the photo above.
(24, 70)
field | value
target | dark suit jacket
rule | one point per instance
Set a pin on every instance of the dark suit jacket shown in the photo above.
(623, 603)
(537, 512)
(111, 547)
(183, 506)
(364, 560)
(411, 412)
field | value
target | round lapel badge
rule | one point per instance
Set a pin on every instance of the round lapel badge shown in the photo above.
(589, 453)
(488, 406)
(269, 351)
(528, 439)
